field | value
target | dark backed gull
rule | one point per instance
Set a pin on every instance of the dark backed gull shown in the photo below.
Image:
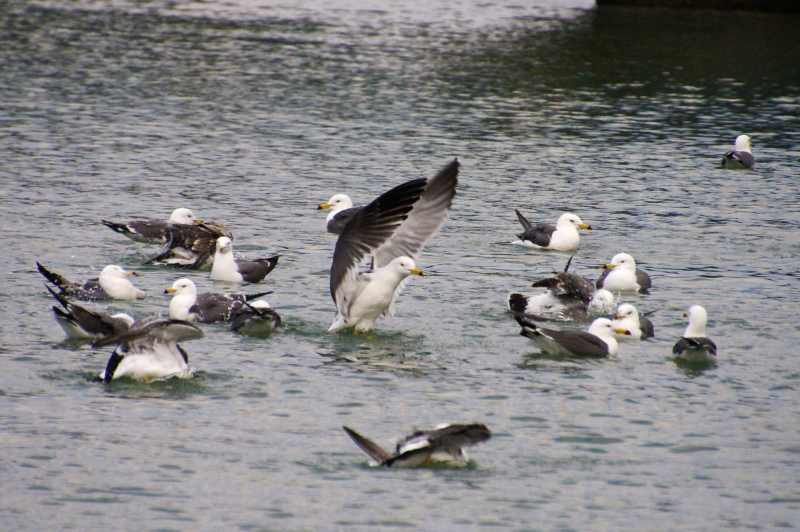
(695, 346)
(192, 246)
(569, 297)
(598, 342)
(255, 319)
(741, 156)
(150, 351)
(112, 283)
(393, 229)
(187, 304)
(228, 268)
(153, 231)
(563, 236)
(81, 323)
(342, 211)
(636, 327)
(621, 275)
(443, 445)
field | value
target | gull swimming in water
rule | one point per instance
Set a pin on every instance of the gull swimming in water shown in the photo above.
(392, 229)
(81, 323)
(597, 342)
(741, 156)
(694, 345)
(227, 268)
(621, 275)
(112, 283)
(153, 231)
(563, 236)
(569, 296)
(443, 445)
(191, 246)
(636, 327)
(255, 319)
(150, 351)
(187, 305)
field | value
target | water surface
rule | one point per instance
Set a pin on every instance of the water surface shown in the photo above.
(253, 113)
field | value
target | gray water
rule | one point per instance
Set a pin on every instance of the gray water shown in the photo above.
(253, 113)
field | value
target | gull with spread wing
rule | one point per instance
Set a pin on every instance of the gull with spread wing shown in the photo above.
(392, 229)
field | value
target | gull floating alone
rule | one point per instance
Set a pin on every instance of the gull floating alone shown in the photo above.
(741, 156)
(694, 345)
(563, 236)
(112, 283)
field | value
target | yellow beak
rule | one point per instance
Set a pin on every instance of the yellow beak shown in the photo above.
(324, 205)
(585, 226)
(609, 266)
(620, 330)
(170, 290)
(198, 221)
(417, 271)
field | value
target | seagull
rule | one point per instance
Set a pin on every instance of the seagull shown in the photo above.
(569, 297)
(342, 211)
(191, 246)
(442, 445)
(112, 283)
(393, 229)
(636, 327)
(228, 268)
(741, 156)
(153, 231)
(695, 346)
(187, 305)
(81, 323)
(255, 319)
(598, 342)
(621, 275)
(563, 236)
(150, 351)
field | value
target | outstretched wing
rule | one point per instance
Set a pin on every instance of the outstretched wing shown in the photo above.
(427, 216)
(369, 229)
(375, 451)
(164, 330)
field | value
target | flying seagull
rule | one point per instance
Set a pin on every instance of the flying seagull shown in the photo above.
(442, 445)
(392, 229)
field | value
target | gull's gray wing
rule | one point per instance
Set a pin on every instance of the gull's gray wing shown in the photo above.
(686, 344)
(539, 234)
(579, 343)
(147, 231)
(644, 281)
(338, 222)
(370, 227)
(93, 322)
(457, 436)
(149, 331)
(427, 216)
(255, 270)
(375, 451)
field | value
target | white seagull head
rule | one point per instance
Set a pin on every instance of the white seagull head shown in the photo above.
(743, 143)
(571, 220)
(622, 261)
(183, 216)
(224, 245)
(697, 322)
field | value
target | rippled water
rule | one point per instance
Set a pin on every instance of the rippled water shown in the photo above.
(254, 112)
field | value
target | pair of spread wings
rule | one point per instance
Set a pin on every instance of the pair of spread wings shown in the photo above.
(449, 438)
(397, 223)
